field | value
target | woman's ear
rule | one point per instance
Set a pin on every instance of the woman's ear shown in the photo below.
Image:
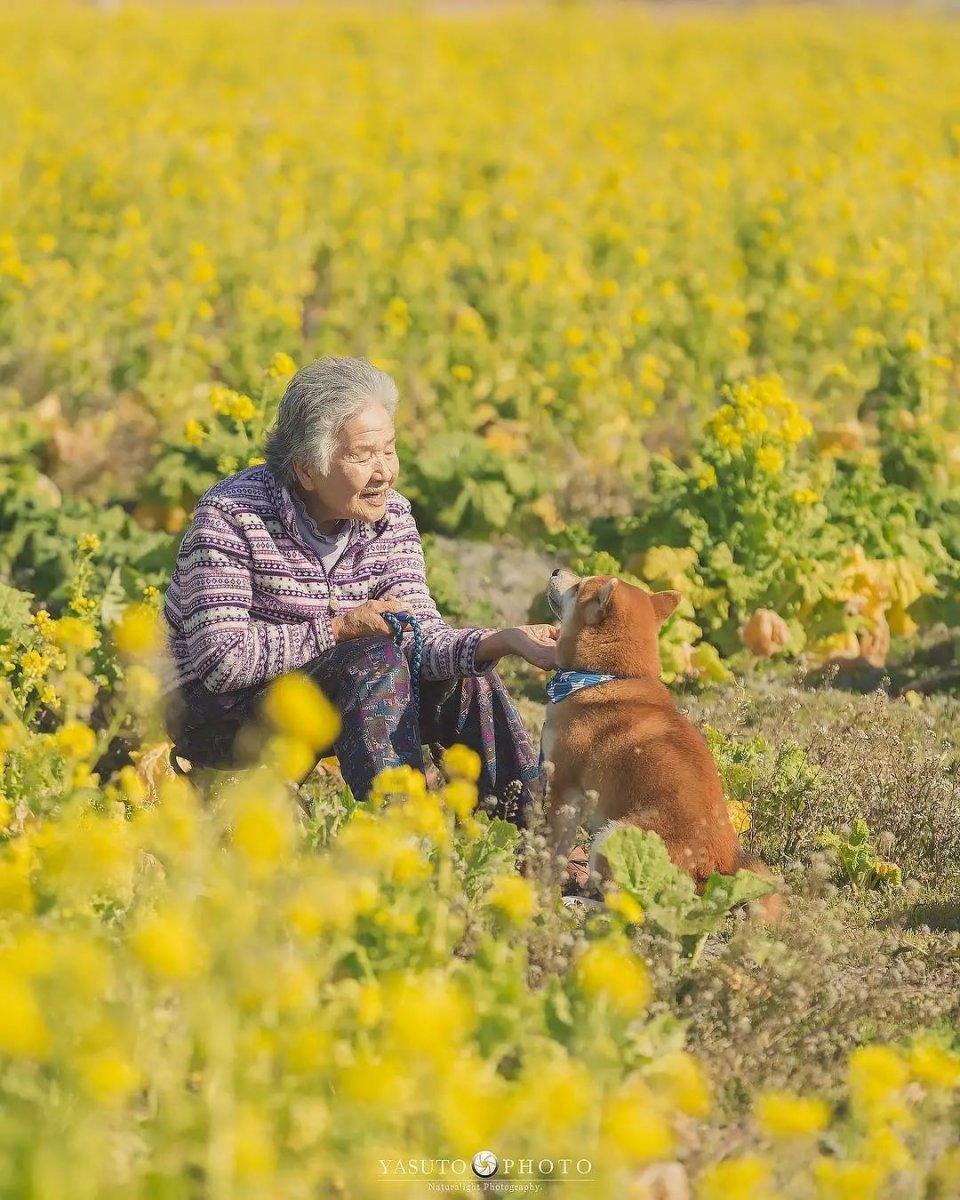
(303, 474)
(663, 604)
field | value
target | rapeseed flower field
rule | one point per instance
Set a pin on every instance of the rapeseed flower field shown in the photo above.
(675, 296)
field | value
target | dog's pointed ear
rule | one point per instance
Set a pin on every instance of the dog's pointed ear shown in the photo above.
(599, 604)
(663, 604)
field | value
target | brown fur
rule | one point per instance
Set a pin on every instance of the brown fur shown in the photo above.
(625, 739)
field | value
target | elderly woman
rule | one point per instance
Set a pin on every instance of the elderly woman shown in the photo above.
(288, 566)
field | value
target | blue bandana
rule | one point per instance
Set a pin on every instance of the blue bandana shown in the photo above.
(562, 683)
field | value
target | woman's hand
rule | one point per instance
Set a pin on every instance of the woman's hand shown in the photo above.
(536, 643)
(365, 620)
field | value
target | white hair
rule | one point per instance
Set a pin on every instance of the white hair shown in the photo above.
(317, 402)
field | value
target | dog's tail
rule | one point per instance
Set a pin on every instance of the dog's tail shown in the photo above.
(772, 904)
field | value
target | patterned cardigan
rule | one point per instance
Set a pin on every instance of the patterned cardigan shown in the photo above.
(250, 600)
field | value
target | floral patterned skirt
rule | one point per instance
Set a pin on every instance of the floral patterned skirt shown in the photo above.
(369, 681)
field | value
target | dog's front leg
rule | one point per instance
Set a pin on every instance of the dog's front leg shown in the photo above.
(561, 813)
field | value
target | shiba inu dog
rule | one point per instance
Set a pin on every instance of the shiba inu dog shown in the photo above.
(612, 728)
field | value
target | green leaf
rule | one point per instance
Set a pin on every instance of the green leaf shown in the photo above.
(15, 610)
(490, 855)
(440, 458)
(493, 504)
(641, 865)
(723, 892)
(519, 477)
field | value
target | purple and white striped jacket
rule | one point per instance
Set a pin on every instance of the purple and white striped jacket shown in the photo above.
(249, 599)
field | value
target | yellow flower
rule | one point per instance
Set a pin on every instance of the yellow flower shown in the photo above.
(171, 827)
(513, 897)
(290, 757)
(381, 1082)
(16, 890)
(241, 408)
(770, 460)
(729, 438)
(83, 777)
(423, 815)
(369, 1010)
(572, 1089)
(299, 708)
(739, 811)
(459, 760)
(426, 1014)
(23, 1030)
(934, 1066)
(707, 478)
(138, 633)
(875, 1076)
(399, 782)
(368, 841)
(34, 664)
(254, 1148)
(142, 686)
(168, 944)
(221, 399)
(678, 1078)
(805, 496)
(884, 1148)
(76, 740)
(281, 366)
(914, 340)
(262, 830)
(745, 1178)
(109, 1075)
(755, 421)
(89, 543)
(330, 903)
(43, 623)
(396, 317)
(837, 1180)
(132, 786)
(194, 433)
(795, 428)
(620, 901)
(74, 633)
(461, 372)
(611, 970)
(631, 1126)
(461, 796)
(781, 1115)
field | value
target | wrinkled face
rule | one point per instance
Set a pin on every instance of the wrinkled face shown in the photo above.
(363, 469)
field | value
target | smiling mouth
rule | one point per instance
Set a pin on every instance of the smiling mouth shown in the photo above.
(379, 495)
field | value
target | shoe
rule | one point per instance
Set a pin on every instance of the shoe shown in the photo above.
(578, 871)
